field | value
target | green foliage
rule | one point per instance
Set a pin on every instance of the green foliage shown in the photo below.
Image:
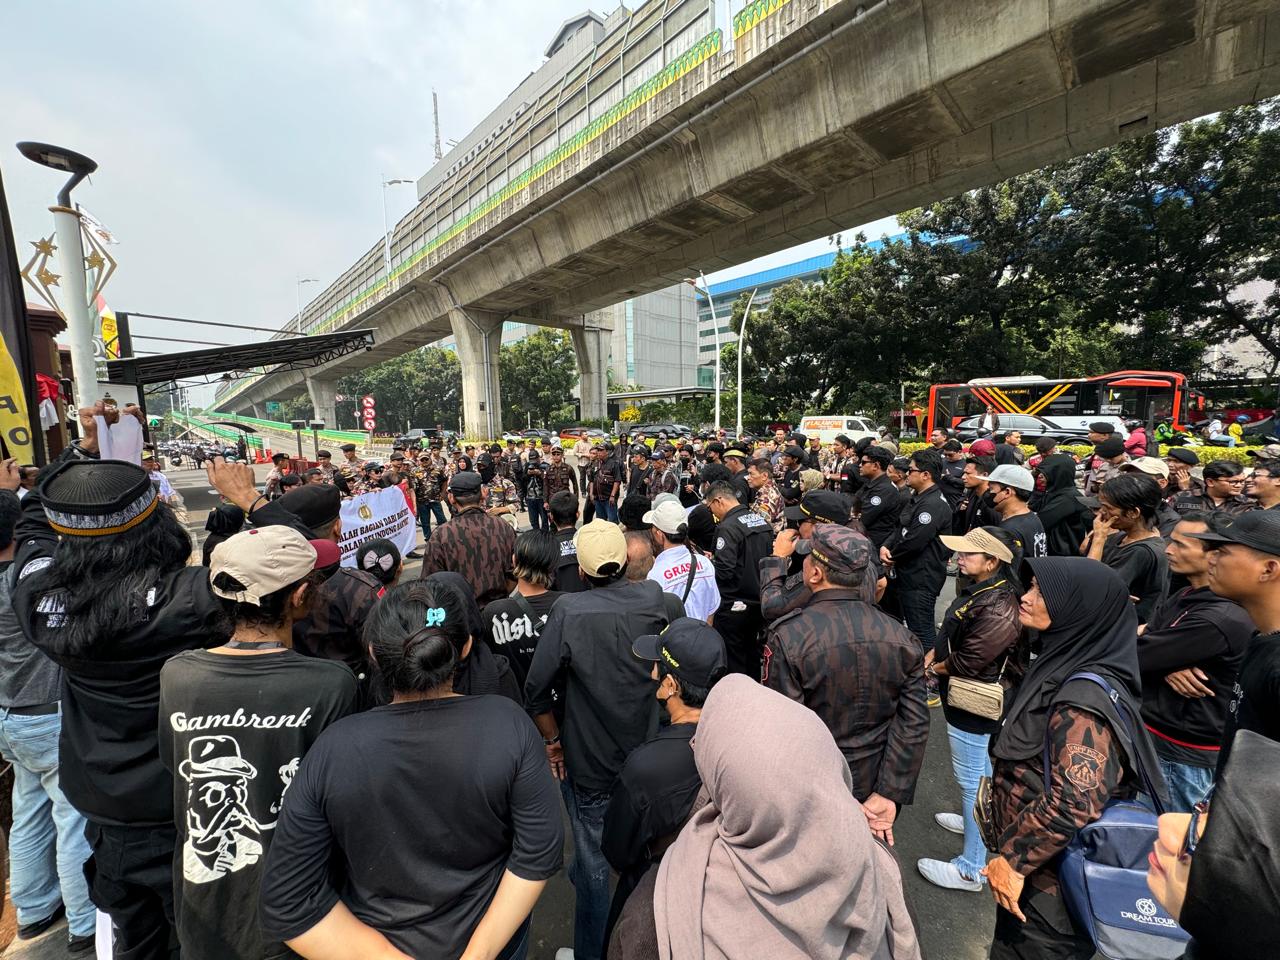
(422, 388)
(538, 374)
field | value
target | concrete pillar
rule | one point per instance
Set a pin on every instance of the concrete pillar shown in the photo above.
(323, 407)
(591, 347)
(257, 411)
(478, 336)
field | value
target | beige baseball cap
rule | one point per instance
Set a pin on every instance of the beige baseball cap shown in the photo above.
(598, 543)
(264, 559)
(1152, 466)
(978, 540)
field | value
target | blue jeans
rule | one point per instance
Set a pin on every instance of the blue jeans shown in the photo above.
(537, 514)
(1222, 440)
(970, 762)
(425, 511)
(588, 871)
(606, 511)
(1186, 784)
(48, 847)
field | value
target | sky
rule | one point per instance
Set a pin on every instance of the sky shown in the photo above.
(241, 145)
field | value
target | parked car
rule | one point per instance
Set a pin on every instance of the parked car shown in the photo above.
(581, 433)
(653, 429)
(1072, 429)
(424, 435)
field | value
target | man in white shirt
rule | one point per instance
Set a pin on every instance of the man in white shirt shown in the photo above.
(679, 568)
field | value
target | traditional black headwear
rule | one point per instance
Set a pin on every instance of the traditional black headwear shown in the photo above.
(97, 498)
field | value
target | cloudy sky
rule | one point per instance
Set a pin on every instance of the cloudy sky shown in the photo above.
(240, 144)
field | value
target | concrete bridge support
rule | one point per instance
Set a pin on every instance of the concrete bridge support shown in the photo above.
(259, 411)
(591, 348)
(323, 406)
(478, 336)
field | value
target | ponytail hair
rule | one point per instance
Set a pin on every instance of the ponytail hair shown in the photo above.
(417, 633)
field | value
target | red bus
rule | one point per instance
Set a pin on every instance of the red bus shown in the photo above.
(1036, 405)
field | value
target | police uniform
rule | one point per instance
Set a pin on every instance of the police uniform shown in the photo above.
(920, 560)
(742, 539)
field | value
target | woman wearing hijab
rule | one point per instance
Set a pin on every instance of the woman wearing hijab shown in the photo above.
(1064, 516)
(480, 671)
(777, 859)
(1216, 870)
(1086, 624)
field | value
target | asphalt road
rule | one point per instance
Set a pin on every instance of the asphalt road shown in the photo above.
(952, 925)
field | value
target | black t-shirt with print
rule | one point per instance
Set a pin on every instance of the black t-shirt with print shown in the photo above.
(513, 632)
(233, 730)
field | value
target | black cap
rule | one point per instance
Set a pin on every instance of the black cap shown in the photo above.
(794, 452)
(91, 498)
(484, 460)
(1102, 426)
(315, 504)
(1110, 447)
(688, 648)
(465, 481)
(1257, 529)
(397, 455)
(639, 450)
(1183, 455)
(348, 448)
(821, 506)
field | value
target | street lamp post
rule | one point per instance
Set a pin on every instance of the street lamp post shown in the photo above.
(386, 226)
(715, 328)
(298, 292)
(742, 343)
(75, 294)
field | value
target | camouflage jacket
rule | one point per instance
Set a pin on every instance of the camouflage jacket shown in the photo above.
(1035, 824)
(862, 672)
(557, 479)
(665, 482)
(1186, 502)
(501, 492)
(335, 620)
(477, 546)
(769, 504)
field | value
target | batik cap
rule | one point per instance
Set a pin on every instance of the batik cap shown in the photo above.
(97, 498)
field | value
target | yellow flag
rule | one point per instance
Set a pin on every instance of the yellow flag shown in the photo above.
(15, 428)
(109, 330)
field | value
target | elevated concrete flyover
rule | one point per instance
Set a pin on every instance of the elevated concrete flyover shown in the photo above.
(824, 114)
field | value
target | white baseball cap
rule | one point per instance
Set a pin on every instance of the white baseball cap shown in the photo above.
(668, 516)
(1009, 475)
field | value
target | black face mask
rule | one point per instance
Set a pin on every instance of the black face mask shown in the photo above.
(486, 473)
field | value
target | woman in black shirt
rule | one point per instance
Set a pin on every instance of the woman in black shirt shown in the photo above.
(438, 809)
(1126, 539)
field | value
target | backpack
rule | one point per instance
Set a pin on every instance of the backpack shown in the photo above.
(1103, 871)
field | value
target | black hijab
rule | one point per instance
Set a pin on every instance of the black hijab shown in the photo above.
(1094, 628)
(1234, 884)
(1061, 502)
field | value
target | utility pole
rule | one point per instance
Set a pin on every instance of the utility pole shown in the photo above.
(435, 115)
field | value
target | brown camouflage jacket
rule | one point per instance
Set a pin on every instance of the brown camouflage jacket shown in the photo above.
(862, 672)
(769, 504)
(477, 546)
(558, 478)
(1035, 824)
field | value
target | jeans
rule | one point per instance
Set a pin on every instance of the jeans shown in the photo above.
(606, 511)
(970, 761)
(425, 512)
(47, 849)
(1222, 440)
(1186, 784)
(537, 515)
(918, 607)
(589, 870)
(131, 878)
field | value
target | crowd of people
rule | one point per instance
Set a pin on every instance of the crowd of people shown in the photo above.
(714, 658)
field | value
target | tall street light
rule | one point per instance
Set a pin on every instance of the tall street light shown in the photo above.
(715, 326)
(75, 294)
(298, 290)
(742, 348)
(386, 227)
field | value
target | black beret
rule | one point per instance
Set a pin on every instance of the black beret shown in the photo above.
(1189, 457)
(348, 448)
(94, 498)
(1102, 426)
(1110, 447)
(315, 504)
(794, 451)
(465, 481)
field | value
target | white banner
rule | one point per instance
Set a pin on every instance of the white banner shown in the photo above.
(384, 513)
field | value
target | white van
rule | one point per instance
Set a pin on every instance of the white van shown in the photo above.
(827, 429)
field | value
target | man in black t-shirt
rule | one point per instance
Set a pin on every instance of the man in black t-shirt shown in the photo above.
(1010, 488)
(563, 510)
(515, 622)
(1245, 567)
(235, 722)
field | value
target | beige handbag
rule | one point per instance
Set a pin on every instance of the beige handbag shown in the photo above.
(979, 697)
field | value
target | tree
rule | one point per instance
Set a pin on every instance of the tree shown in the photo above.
(538, 374)
(421, 388)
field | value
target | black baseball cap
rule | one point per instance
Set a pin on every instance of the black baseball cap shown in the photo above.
(1257, 529)
(688, 648)
(820, 506)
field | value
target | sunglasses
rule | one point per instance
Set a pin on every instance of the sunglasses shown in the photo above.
(1192, 839)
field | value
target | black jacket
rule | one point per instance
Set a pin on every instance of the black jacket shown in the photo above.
(919, 557)
(742, 538)
(877, 504)
(952, 481)
(1192, 628)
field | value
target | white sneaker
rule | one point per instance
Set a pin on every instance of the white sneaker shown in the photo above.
(950, 821)
(564, 953)
(944, 873)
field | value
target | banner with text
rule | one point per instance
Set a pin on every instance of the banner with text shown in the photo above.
(384, 513)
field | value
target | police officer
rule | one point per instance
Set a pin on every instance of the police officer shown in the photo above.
(877, 502)
(742, 539)
(913, 552)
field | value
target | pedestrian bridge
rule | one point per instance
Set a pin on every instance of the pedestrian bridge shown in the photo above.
(802, 118)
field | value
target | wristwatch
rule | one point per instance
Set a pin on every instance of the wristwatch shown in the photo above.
(552, 742)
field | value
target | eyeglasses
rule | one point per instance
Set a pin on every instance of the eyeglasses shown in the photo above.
(916, 470)
(1193, 829)
(1234, 481)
